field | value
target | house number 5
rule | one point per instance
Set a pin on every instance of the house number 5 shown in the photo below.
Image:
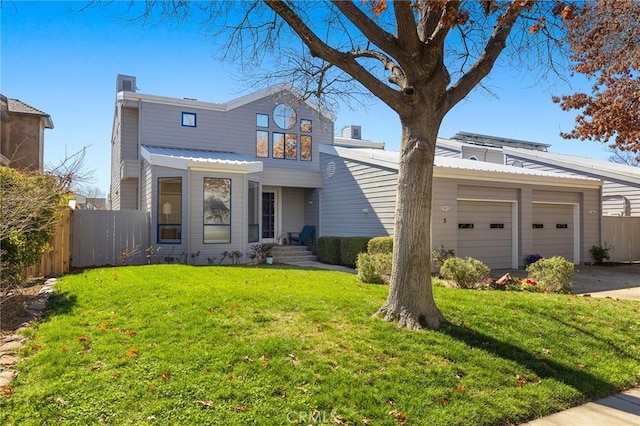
(444, 220)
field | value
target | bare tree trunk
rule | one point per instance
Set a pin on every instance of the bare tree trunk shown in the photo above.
(410, 300)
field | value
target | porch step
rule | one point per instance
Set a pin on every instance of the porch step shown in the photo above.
(292, 254)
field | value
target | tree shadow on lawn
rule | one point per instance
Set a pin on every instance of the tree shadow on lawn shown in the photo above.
(584, 382)
(60, 304)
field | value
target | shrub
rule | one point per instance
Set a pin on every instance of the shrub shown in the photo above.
(350, 247)
(600, 254)
(30, 209)
(374, 268)
(440, 255)
(553, 275)
(329, 250)
(466, 273)
(380, 245)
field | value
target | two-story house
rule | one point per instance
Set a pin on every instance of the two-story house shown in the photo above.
(217, 177)
(221, 177)
(22, 134)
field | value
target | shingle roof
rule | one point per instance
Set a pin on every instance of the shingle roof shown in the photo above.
(19, 107)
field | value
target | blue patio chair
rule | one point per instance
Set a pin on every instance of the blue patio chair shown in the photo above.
(304, 237)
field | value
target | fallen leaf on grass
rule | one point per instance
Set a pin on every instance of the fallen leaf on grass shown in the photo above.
(247, 359)
(241, 409)
(133, 352)
(205, 403)
(443, 401)
(165, 375)
(460, 388)
(7, 391)
(82, 338)
(102, 327)
(399, 416)
(152, 388)
(293, 359)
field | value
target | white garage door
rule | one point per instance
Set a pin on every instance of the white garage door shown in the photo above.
(485, 232)
(553, 230)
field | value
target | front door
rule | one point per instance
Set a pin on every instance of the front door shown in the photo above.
(268, 216)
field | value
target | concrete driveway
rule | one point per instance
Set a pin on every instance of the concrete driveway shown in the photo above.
(618, 281)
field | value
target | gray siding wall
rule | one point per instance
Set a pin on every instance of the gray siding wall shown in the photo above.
(129, 194)
(233, 130)
(129, 134)
(356, 186)
(616, 189)
(293, 200)
(447, 152)
(116, 143)
(483, 154)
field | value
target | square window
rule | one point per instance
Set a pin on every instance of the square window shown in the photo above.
(305, 126)
(189, 119)
(262, 120)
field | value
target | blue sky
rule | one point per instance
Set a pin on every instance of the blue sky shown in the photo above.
(65, 63)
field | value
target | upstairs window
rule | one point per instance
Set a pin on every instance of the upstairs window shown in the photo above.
(189, 119)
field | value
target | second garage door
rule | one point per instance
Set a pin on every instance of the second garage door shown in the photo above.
(485, 232)
(553, 229)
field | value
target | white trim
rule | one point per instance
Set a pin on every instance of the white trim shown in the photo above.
(576, 226)
(515, 226)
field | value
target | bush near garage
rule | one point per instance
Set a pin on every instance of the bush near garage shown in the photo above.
(465, 272)
(329, 250)
(553, 275)
(350, 248)
(378, 245)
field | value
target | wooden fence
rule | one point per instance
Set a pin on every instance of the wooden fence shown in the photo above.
(623, 234)
(57, 259)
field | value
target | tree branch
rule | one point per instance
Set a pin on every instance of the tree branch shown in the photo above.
(370, 29)
(487, 59)
(344, 61)
(406, 26)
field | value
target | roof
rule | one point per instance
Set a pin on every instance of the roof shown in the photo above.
(16, 106)
(591, 166)
(496, 141)
(285, 90)
(185, 159)
(462, 168)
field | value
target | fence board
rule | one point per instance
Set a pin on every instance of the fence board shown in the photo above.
(104, 237)
(56, 260)
(623, 233)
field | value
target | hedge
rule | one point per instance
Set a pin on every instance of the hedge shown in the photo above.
(329, 250)
(350, 247)
(380, 245)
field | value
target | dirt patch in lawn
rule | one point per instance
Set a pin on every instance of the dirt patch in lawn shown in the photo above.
(13, 310)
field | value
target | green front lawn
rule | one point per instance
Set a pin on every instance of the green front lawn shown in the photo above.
(182, 345)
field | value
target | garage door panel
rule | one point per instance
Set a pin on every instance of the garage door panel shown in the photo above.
(550, 237)
(493, 246)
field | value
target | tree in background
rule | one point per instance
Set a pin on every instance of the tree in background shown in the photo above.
(624, 157)
(605, 43)
(419, 57)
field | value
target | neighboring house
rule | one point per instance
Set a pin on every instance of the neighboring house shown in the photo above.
(22, 134)
(621, 188)
(493, 212)
(217, 177)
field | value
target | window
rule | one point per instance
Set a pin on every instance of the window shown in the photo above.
(253, 202)
(284, 116)
(262, 120)
(169, 210)
(189, 119)
(305, 148)
(474, 158)
(262, 144)
(217, 210)
(277, 151)
(291, 146)
(305, 126)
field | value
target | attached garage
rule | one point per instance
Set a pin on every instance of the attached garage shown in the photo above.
(486, 232)
(554, 231)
